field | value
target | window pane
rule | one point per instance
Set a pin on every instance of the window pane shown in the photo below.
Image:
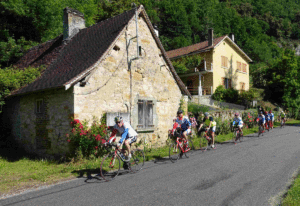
(140, 113)
(149, 114)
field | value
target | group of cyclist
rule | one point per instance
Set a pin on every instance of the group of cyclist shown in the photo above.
(129, 135)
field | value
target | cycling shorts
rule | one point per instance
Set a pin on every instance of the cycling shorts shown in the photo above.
(132, 139)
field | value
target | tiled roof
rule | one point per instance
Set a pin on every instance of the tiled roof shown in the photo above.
(66, 60)
(195, 47)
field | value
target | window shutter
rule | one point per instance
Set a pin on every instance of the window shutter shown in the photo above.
(140, 114)
(229, 83)
(244, 68)
(149, 114)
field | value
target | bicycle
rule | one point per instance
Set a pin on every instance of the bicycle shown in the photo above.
(261, 130)
(270, 124)
(113, 161)
(180, 146)
(237, 134)
(206, 139)
(282, 123)
(267, 126)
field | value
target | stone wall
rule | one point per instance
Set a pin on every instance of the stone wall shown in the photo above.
(119, 82)
(41, 133)
(208, 101)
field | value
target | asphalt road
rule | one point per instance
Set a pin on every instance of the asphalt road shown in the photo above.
(248, 173)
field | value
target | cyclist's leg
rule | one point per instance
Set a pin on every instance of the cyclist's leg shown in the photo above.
(213, 129)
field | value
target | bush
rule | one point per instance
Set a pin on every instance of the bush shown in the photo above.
(218, 95)
(249, 119)
(196, 108)
(12, 78)
(223, 127)
(86, 141)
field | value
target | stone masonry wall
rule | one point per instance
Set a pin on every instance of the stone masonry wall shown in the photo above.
(43, 133)
(119, 82)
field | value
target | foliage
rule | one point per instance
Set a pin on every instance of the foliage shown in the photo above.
(219, 93)
(184, 64)
(249, 119)
(223, 127)
(87, 141)
(12, 78)
(196, 108)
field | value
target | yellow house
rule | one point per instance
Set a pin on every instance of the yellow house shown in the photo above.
(223, 63)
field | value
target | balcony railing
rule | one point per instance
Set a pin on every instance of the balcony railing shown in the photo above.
(202, 91)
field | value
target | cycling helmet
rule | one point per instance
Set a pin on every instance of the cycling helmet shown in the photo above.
(270, 111)
(266, 112)
(179, 112)
(118, 119)
(236, 114)
(206, 114)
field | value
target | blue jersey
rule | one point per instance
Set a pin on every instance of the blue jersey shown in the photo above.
(262, 119)
(238, 121)
(272, 116)
(266, 117)
(184, 123)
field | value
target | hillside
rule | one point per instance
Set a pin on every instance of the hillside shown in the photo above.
(265, 30)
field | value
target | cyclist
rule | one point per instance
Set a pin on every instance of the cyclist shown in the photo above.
(211, 125)
(184, 123)
(128, 134)
(193, 122)
(271, 116)
(282, 115)
(267, 118)
(238, 122)
(262, 120)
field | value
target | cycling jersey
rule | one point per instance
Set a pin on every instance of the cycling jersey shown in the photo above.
(271, 116)
(126, 132)
(262, 120)
(267, 117)
(183, 122)
(282, 115)
(238, 121)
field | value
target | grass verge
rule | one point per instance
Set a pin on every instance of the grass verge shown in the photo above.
(19, 175)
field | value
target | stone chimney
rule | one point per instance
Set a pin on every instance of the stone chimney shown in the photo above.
(73, 21)
(210, 37)
(231, 36)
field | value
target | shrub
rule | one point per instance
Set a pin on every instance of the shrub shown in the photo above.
(249, 119)
(218, 95)
(223, 127)
(196, 108)
(87, 141)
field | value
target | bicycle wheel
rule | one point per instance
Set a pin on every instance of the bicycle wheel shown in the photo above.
(259, 130)
(234, 137)
(190, 148)
(174, 152)
(203, 144)
(110, 166)
(137, 160)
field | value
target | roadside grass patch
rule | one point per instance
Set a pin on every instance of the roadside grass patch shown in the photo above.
(293, 195)
(26, 173)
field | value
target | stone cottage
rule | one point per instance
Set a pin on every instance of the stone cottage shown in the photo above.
(115, 66)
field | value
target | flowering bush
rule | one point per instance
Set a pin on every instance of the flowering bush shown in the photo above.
(87, 141)
(223, 127)
(249, 120)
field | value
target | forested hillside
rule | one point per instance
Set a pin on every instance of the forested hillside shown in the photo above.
(259, 27)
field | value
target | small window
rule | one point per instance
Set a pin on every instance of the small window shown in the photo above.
(39, 106)
(242, 86)
(244, 68)
(140, 51)
(239, 66)
(145, 114)
(224, 62)
(226, 83)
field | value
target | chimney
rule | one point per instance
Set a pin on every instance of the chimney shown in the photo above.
(73, 21)
(231, 36)
(210, 37)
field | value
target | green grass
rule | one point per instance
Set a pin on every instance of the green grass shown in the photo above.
(293, 195)
(27, 173)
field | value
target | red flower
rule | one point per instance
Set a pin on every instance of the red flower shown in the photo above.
(67, 135)
(73, 130)
(97, 138)
(69, 140)
(96, 147)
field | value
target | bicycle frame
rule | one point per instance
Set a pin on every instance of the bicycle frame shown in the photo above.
(180, 144)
